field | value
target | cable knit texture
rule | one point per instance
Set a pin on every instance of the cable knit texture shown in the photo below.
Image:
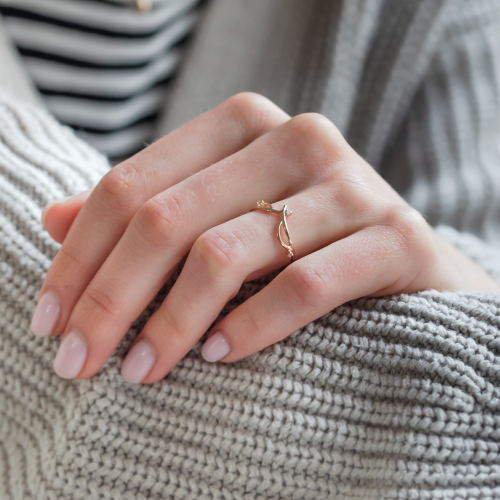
(390, 398)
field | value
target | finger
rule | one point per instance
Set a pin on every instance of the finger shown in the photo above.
(372, 262)
(57, 217)
(225, 256)
(104, 217)
(165, 228)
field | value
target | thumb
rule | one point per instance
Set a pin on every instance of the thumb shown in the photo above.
(57, 217)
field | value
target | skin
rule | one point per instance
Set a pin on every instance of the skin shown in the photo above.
(191, 192)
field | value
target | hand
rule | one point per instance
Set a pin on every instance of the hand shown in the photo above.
(190, 193)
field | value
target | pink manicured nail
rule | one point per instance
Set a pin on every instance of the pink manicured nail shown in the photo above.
(215, 348)
(138, 362)
(71, 355)
(45, 315)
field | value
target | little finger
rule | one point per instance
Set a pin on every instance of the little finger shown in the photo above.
(372, 262)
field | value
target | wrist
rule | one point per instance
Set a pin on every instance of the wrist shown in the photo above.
(456, 271)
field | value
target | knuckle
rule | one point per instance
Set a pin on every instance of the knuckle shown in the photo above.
(249, 323)
(171, 322)
(315, 129)
(308, 285)
(250, 109)
(317, 140)
(353, 193)
(72, 259)
(409, 226)
(221, 253)
(121, 186)
(160, 221)
(312, 124)
(102, 301)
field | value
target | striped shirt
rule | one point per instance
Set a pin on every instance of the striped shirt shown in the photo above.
(104, 67)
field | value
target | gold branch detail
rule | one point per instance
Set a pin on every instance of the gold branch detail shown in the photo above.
(266, 207)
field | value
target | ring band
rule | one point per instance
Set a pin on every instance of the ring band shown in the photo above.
(266, 207)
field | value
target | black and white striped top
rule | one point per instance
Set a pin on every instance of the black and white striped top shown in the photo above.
(102, 66)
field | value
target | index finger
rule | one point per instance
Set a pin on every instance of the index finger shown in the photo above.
(99, 225)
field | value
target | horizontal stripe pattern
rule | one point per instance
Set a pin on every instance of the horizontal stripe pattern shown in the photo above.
(103, 67)
(95, 15)
(120, 83)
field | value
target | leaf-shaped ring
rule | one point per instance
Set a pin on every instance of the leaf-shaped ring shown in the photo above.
(266, 207)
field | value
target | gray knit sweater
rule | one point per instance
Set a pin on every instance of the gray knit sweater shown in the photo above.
(397, 397)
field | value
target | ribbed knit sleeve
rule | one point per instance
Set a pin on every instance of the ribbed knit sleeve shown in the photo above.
(397, 397)
(446, 159)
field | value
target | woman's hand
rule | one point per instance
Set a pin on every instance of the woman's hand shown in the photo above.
(190, 193)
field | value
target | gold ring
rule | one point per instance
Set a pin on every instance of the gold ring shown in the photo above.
(266, 207)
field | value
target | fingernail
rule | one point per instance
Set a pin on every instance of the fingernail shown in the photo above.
(71, 355)
(215, 348)
(138, 362)
(45, 315)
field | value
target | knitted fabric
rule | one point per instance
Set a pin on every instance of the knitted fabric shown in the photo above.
(396, 397)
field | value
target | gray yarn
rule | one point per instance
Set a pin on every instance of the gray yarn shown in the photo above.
(381, 398)
(390, 398)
